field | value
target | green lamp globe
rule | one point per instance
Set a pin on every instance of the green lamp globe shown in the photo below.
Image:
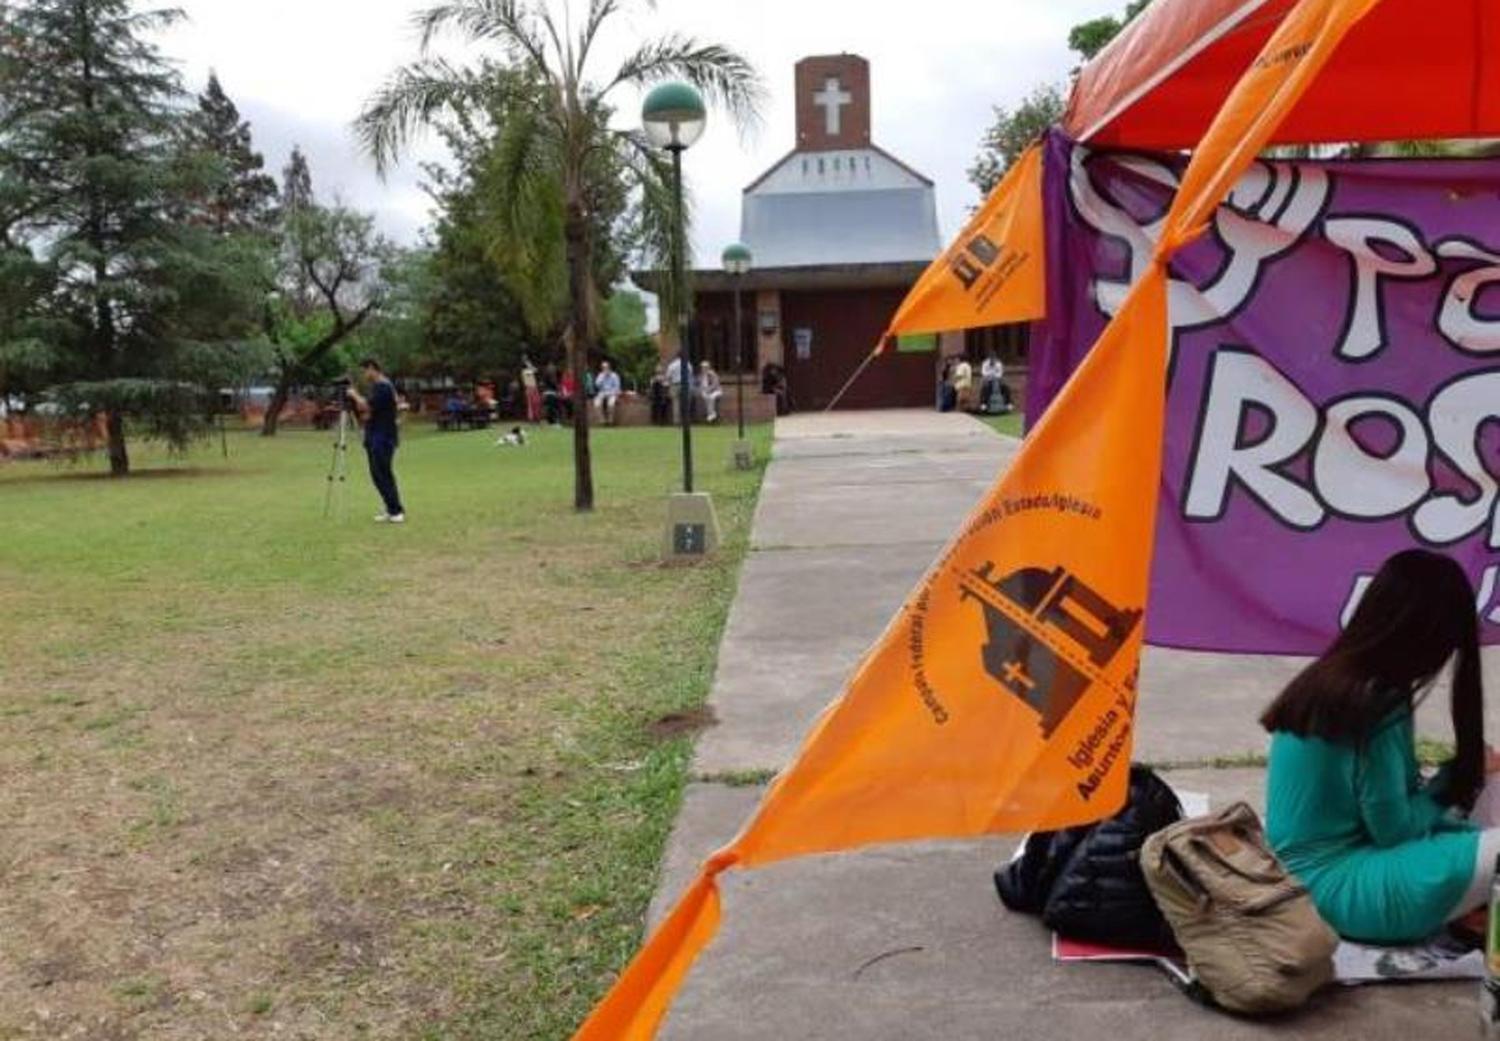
(674, 116)
(737, 259)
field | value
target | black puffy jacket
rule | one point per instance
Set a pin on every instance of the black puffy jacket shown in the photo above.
(1086, 882)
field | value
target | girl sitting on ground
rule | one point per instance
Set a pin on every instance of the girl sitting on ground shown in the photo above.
(1386, 857)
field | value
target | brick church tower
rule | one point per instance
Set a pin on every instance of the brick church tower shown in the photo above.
(833, 103)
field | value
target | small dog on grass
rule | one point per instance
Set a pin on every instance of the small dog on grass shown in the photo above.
(515, 439)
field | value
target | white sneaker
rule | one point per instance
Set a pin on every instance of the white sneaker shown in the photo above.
(399, 518)
(382, 518)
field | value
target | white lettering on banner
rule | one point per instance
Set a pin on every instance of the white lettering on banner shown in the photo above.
(1269, 211)
(1345, 478)
(1457, 320)
(1241, 383)
(1301, 461)
(1360, 236)
(1360, 484)
(1361, 587)
(1460, 410)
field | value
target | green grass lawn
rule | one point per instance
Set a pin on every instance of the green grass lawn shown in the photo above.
(269, 775)
(1010, 425)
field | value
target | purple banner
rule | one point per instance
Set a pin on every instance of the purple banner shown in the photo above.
(1335, 379)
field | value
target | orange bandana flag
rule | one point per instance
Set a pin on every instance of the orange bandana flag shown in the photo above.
(995, 272)
(1002, 696)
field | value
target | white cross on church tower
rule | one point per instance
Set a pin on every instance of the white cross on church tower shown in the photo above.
(833, 98)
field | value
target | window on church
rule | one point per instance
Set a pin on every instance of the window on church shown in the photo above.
(713, 340)
(820, 168)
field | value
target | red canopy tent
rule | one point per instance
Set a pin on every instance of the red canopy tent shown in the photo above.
(1412, 69)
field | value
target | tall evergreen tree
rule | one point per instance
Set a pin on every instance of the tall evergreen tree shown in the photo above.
(296, 184)
(143, 310)
(243, 199)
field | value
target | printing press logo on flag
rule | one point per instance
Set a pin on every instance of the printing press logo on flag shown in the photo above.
(1050, 636)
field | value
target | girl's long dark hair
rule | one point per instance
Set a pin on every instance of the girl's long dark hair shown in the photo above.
(1416, 616)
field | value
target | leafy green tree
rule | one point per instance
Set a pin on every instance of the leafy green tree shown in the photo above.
(397, 334)
(145, 315)
(1091, 37)
(474, 323)
(331, 279)
(242, 197)
(555, 144)
(501, 283)
(1012, 132)
(625, 338)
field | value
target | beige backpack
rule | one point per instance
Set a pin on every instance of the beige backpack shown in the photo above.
(1251, 934)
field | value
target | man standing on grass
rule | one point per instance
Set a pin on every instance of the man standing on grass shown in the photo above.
(381, 438)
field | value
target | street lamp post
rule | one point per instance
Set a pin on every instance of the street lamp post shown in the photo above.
(674, 117)
(737, 263)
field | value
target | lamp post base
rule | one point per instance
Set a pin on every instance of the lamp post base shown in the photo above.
(744, 456)
(692, 527)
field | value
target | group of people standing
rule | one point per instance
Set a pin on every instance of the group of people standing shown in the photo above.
(956, 390)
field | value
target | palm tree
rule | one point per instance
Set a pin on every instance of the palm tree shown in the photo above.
(554, 140)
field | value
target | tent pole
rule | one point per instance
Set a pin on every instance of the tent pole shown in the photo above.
(850, 382)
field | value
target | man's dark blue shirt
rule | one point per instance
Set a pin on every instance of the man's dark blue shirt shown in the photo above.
(382, 420)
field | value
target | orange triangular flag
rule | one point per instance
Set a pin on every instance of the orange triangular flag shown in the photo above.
(995, 272)
(1002, 695)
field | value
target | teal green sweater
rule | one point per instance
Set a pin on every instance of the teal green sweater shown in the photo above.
(1385, 861)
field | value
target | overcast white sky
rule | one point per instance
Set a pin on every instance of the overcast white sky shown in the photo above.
(300, 70)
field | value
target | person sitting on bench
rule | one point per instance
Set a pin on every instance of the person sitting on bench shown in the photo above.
(453, 412)
(607, 393)
(1387, 857)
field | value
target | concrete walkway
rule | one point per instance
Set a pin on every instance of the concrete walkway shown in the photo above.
(909, 942)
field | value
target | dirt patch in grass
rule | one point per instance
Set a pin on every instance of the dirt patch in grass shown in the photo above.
(683, 724)
(271, 777)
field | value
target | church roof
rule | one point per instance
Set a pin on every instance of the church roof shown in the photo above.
(856, 206)
(862, 227)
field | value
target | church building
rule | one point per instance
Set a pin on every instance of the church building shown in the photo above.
(840, 230)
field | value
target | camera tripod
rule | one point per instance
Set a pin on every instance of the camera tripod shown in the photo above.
(338, 473)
